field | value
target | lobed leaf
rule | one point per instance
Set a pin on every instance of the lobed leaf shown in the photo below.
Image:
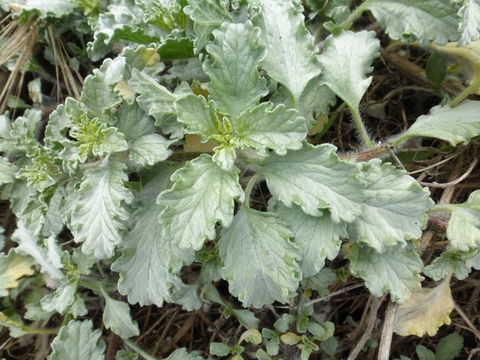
(96, 214)
(318, 238)
(260, 262)
(396, 270)
(345, 61)
(202, 195)
(291, 58)
(116, 317)
(456, 125)
(78, 341)
(394, 208)
(13, 267)
(315, 178)
(469, 26)
(235, 54)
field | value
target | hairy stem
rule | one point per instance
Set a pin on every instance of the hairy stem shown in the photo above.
(354, 16)
(4, 319)
(362, 131)
(248, 190)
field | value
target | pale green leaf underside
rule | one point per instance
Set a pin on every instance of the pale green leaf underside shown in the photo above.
(150, 149)
(235, 55)
(345, 63)
(62, 298)
(318, 238)
(78, 341)
(291, 56)
(7, 171)
(456, 125)
(463, 230)
(315, 179)
(427, 20)
(203, 194)
(116, 317)
(469, 26)
(260, 262)
(96, 214)
(395, 271)
(150, 260)
(265, 127)
(394, 207)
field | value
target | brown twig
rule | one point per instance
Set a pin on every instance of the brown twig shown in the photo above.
(376, 303)
(387, 332)
(454, 182)
(329, 296)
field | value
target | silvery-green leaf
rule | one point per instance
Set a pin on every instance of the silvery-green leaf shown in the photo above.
(7, 171)
(202, 195)
(126, 355)
(317, 237)
(394, 207)
(123, 20)
(260, 261)
(208, 12)
(97, 93)
(451, 261)
(155, 99)
(270, 128)
(62, 298)
(225, 156)
(149, 260)
(198, 116)
(315, 178)
(291, 58)
(150, 149)
(96, 209)
(463, 230)
(47, 8)
(27, 244)
(232, 66)
(396, 271)
(345, 62)
(469, 26)
(456, 125)
(78, 341)
(116, 317)
(183, 354)
(427, 20)
(133, 122)
(315, 100)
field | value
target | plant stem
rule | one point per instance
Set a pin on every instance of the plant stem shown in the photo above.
(139, 351)
(353, 16)
(362, 131)
(9, 322)
(248, 190)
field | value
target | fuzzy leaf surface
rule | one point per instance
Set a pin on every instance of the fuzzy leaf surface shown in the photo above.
(116, 317)
(469, 26)
(427, 20)
(96, 213)
(456, 125)
(463, 230)
(149, 259)
(291, 57)
(7, 171)
(397, 270)
(451, 261)
(346, 61)
(202, 195)
(78, 341)
(317, 237)
(235, 55)
(393, 210)
(198, 116)
(150, 149)
(260, 261)
(315, 178)
(271, 128)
